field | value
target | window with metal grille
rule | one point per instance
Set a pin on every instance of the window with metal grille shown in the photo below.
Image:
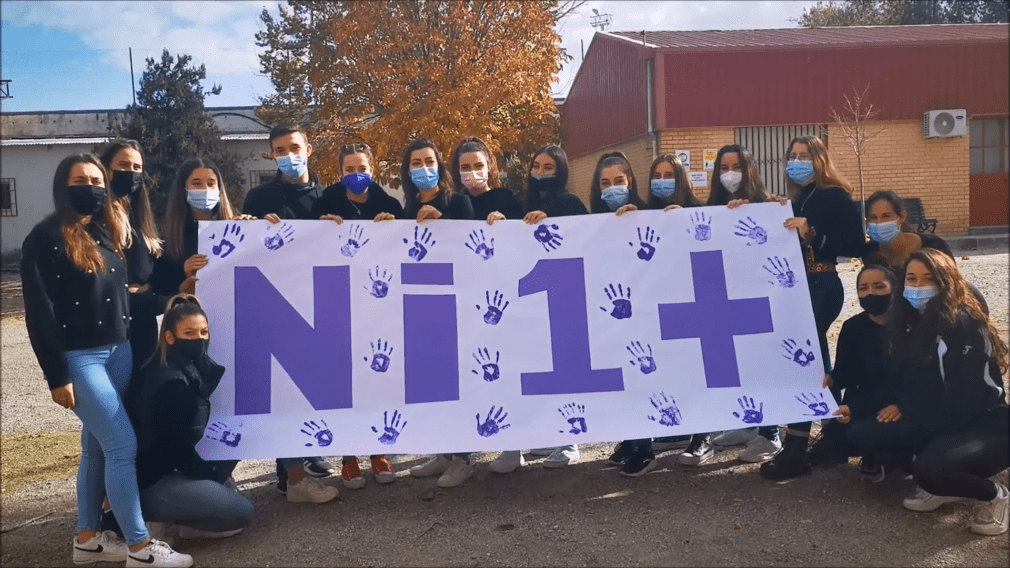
(259, 177)
(987, 141)
(768, 146)
(8, 198)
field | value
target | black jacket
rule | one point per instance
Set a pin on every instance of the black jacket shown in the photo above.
(836, 229)
(169, 408)
(67, 308)
(862, 366)
(457, 206)
(169, 273)
(500, 199)
(286, 200)
(145, 306)
(334, 201)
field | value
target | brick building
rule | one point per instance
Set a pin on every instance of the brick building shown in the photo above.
(649, 93)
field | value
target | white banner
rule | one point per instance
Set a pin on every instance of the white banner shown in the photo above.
(453, 336)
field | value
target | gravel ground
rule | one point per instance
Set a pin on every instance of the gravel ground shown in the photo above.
(717, 515)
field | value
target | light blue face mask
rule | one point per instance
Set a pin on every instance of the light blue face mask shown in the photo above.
(615, 196)
(424, 178)
(293, 165)
(919, 296)
(203, 200)
(662, 188)
(883, 233)
(800, 171)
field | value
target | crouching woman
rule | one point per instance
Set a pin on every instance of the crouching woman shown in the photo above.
(170, 408)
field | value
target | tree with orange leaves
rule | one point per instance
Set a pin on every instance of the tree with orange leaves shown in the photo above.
(384, 73)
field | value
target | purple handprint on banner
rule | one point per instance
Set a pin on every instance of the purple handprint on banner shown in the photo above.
(779, 268)
(620, 298)
(422, 242)
(644, 360)
(279, 236)
(391, 428)
(380, 282)
(495, 308)
(355, 240)
(647, 241)
(799, 355)
(751, 414)
(574, 415)
(748, 228)
(322, 434)
(480, 245)
(489, 368)
(221, 432)
(381, 352)
(702, 226)
(669, 414)
(815, 402)
(493, 422)
(232, 232)
(548, 237)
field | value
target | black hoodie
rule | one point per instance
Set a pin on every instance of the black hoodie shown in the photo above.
(500, 199)
(286, 200)
(334, 201)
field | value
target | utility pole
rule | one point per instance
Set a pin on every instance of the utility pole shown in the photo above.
(133, 83)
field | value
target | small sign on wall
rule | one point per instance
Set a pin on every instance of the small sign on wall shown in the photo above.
(685, 158)
(698, 179)
(708, 157)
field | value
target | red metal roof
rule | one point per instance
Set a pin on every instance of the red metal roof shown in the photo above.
(882, 36)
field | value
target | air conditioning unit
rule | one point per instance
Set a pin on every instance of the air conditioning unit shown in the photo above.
(944, 123)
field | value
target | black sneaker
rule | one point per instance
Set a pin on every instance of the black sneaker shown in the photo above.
(282, 480)
(790, 462)
(825, 452)
(870, 470)
(318, 467)
(699, 452)
(638, 463)
(622, 452)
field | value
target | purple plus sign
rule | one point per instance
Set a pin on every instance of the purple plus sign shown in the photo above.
(715, 319)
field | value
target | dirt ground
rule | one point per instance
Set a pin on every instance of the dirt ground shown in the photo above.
(720, 514)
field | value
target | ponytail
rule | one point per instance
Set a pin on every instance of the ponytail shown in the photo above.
(179, 307)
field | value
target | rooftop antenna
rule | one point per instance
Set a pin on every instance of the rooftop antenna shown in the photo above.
(5, 89)
(598, 20)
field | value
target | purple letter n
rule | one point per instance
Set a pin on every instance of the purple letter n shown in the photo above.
(318, 359)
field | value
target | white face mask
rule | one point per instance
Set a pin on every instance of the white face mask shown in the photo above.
(474, 179)
(731, 180)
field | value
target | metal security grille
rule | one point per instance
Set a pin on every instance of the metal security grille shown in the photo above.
(8, 198)
(768, 146)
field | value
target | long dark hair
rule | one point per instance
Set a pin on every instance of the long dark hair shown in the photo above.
(466, 146)
(682, 193)
(596, 204)
(895, 201)
(179, 210)
(560, 173)
(751, 187)
(410, 191)
(80, 246)
(913, 335)
(178, 308)
(139, 209)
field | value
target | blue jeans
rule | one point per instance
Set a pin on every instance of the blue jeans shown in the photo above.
(108, 444)
(201, 504)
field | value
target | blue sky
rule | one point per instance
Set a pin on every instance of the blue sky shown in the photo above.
(74, 55)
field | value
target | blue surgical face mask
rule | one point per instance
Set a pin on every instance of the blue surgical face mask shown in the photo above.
(919, 296)
(883, 233)
(203, 200)
(293, 165)
(800, 171)
(357, 183)
(615, 196)
(424, 178)
(662, 188)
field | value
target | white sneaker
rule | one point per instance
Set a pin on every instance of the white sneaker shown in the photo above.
(735, 437)
(435, 466)
(562, 456)
(157, 553)
(191, 533)
(508, 462)
(311, 490)
(105, 546)
(760, 449)
(459, 471)
(992, 517)
(925, 501)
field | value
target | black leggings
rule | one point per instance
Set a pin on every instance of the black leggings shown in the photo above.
(958, 465)
(827, 297)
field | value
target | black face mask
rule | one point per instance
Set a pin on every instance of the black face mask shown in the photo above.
(126, 183)
(875, 305)
(86, 199)
(543, 186)
(190, 349)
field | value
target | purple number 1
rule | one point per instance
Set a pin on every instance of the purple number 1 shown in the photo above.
(564, 281)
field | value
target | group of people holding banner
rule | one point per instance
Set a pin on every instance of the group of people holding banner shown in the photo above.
(918, 373)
